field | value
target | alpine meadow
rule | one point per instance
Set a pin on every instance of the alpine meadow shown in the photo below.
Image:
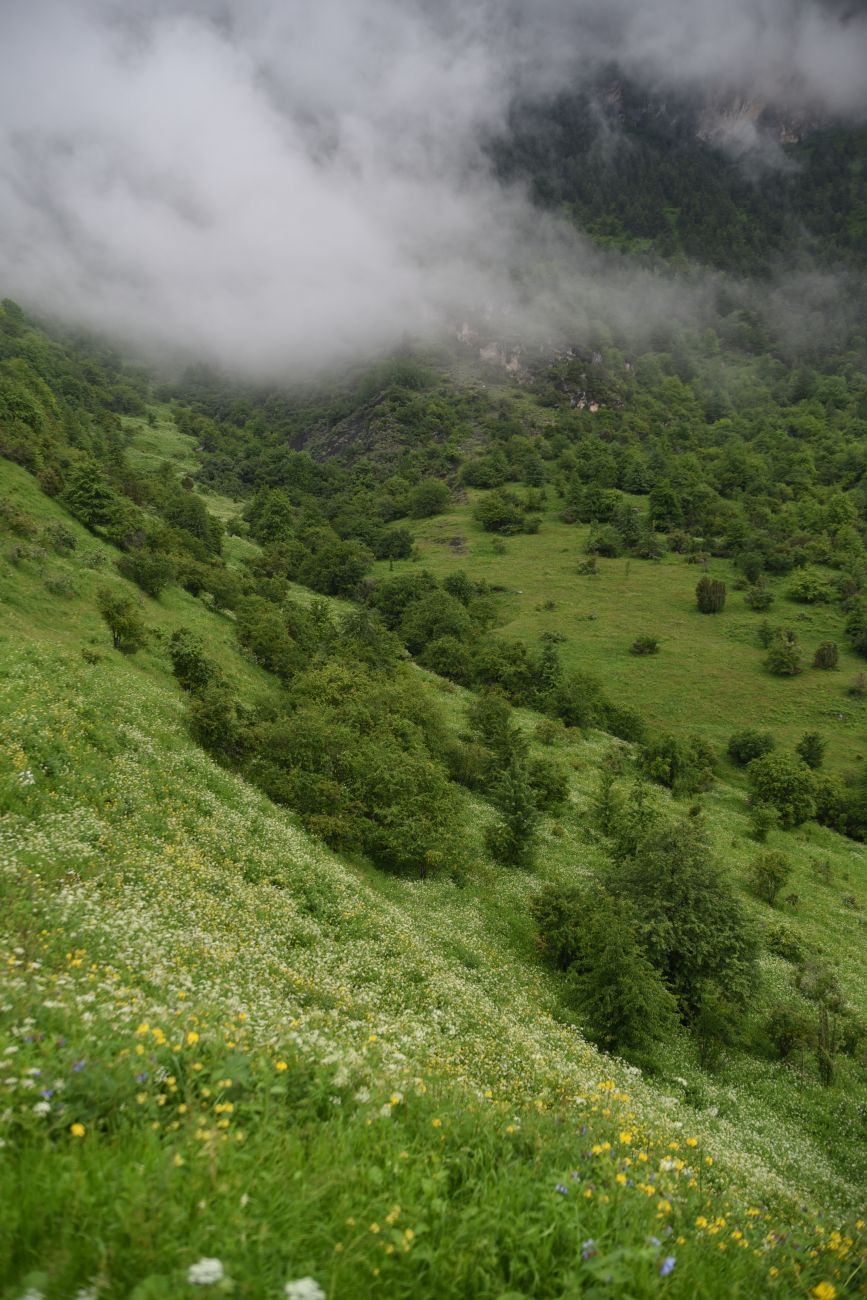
(433, 650)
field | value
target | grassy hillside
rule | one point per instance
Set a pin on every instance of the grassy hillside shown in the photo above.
(220, 1039)
(709, 676)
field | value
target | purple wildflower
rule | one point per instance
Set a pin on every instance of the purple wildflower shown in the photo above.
(47, 1092)
(141, 1078)
(588, 1248)
(78, 1066)
(667, 1266)
(564, 1191)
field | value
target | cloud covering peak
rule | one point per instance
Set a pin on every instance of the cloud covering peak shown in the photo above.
(276, 185)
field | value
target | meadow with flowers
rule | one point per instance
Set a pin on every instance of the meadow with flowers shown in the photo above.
(236, 1062)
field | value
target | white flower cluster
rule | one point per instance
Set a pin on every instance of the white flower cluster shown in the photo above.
(304, 1288)
(206, 1272)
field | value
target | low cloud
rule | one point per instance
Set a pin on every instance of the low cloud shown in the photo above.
(278, 186)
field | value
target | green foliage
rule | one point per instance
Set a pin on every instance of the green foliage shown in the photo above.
(88, 496)
(150, 569)
(191, 666)
(689, 921)
(826, 655)
(645, 645)
(763, 819)
(748, 744)
(511, 839)
(810, 588)
(710, 595)
(623, 1004)
(768, 874)
(811, 748)
(503, 512)
(790, 1029)
(549, 782)
(759, 597)
(124, 620)
(685, 767)
(430, 497)
(786, 783)
(784, 657)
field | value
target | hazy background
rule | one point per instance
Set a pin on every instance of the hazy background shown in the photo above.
(279, 185)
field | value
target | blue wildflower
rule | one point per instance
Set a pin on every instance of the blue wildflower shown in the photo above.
(564, 1191)
(667, 1266)
(588, 1248)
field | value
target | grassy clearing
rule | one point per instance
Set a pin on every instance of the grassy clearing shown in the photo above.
(708, 677)
(303, 1066)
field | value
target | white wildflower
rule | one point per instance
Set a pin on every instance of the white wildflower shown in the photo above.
(305, 1288)
(363, 1095)
(205, 1273)
(26, 777)
(42, 1108)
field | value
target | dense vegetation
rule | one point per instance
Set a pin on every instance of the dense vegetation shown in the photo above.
(298, 611)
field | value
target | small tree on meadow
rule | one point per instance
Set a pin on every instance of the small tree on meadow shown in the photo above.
(786, 783)
(192, 668)
(121, 613)
(623, 1002)
(511, 840)
(784, 655)
(748, 744)
(688, 919)
(710, 595)
(768, 874)
(826, 655)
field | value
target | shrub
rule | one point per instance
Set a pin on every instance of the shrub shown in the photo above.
(512, 839)
(623, 1003)
(121, 613)
(151, 570)
(191, 666)
(782, 941)
(786, 783)
(746, 745)
(784, 655)
(689, 921)
(858, 688)
(765, 633)
(826, 655)
(430, 497)
(606, 541)
(809, 588)
(710, 595)
(790, 1028)
(763, 819)
(759, 598)
(450, 658)
(549, 731)
(768, 874)
(811, 748)
(645, 645)
(549, 782)
(685, 767)
(500, 511)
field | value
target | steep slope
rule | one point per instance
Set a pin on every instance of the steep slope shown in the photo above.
(223, 1040)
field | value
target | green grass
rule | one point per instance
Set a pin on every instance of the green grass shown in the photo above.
(708, 677)
(170, 940)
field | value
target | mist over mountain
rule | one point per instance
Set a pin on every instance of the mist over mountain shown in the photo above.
(275, 187)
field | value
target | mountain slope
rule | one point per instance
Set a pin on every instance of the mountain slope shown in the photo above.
(238, 1018)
